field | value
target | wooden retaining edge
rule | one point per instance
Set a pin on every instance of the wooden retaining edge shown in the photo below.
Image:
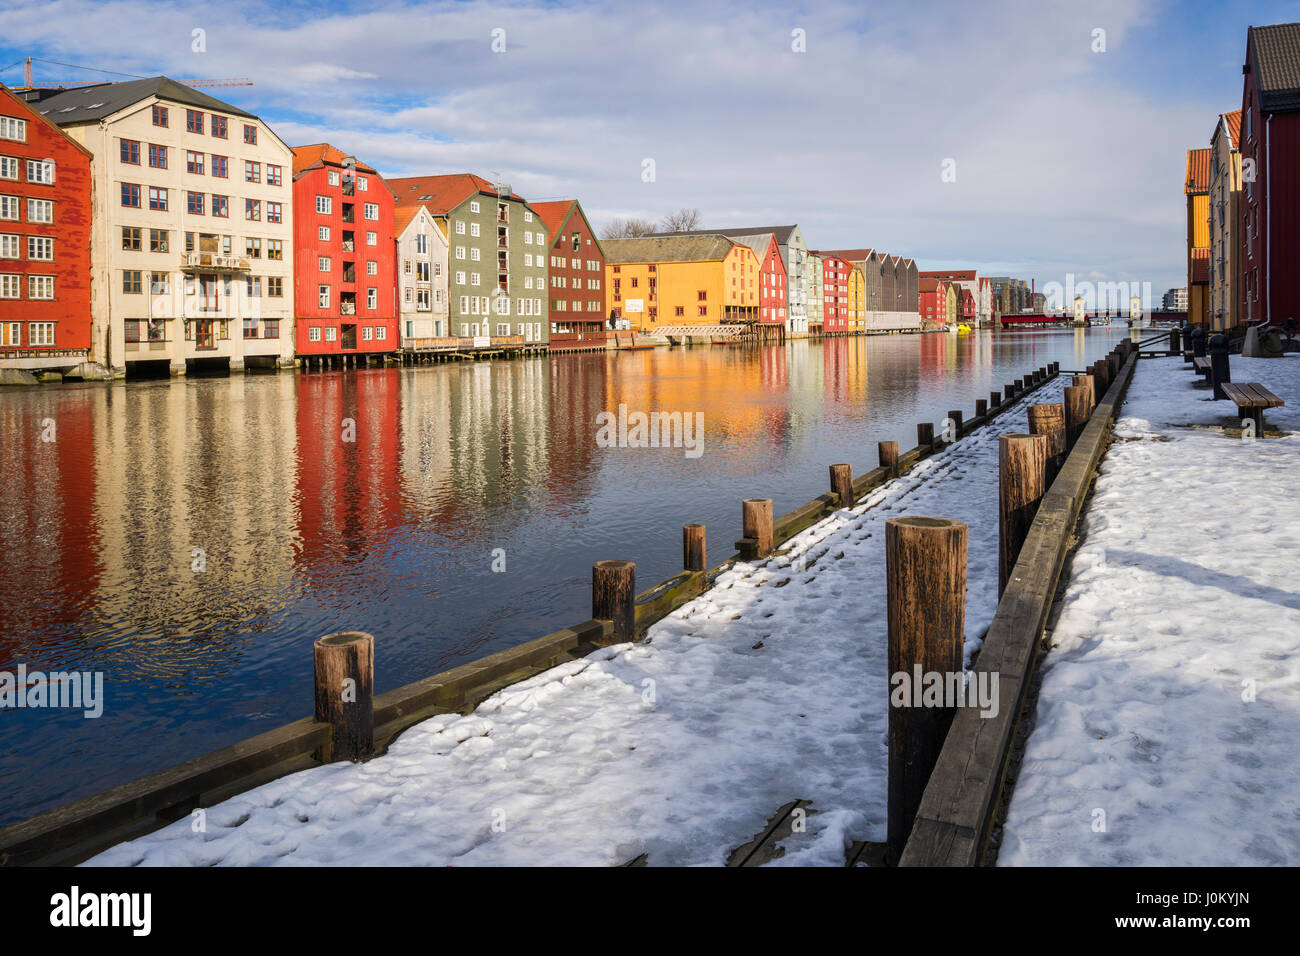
(956, 816)
(78, 831)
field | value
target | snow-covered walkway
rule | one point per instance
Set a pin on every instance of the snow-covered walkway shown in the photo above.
(1168, 723)
(768, 688)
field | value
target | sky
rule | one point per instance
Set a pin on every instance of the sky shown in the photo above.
(1033, 138)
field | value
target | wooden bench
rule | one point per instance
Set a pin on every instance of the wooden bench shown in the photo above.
(1251, 399)
(1202, 366)
(1187, 355)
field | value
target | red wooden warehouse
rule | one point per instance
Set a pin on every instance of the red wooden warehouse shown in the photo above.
(577, 277)
(45, 218)
(345, 266)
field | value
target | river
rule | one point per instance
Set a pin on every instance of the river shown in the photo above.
(190, 539)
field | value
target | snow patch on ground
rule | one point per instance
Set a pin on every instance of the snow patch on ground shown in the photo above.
(1183, 598)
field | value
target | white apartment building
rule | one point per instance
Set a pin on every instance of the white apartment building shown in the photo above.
(191, 244)
(421, 277)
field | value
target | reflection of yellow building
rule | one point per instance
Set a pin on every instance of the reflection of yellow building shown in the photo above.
(681, 280)
(857, 300)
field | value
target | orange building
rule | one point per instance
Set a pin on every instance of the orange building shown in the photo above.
(681, 280)
(1196, 187)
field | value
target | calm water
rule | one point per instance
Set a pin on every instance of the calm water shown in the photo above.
(394, 533)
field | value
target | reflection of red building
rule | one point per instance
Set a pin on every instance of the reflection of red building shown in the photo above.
(345, 262)
(349, 468)
(835, 293)
(45, 241)
(577, 277)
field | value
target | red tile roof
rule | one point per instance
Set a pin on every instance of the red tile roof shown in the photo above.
(1233, 122)
(444, 193)
(1197, 179)
(927, 284)
(961, 275)
(402, 216)
(554, 214)
(851, 255)
(322, 154)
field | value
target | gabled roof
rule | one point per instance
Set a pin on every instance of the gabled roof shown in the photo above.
(403, 216)
(1231, 124)
(317, 155)
(927, 284)
(691, 247)
(555, 215)
(87, 104)
(760, 242)
(1197, 179)
(441, 194)
(782, 233)
(853, 255)
(29, 109)
(1277, 65)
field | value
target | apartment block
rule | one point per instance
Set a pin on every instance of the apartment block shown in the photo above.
(421, 278)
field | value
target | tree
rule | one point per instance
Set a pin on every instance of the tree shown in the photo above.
(683, 220)
(631, 228)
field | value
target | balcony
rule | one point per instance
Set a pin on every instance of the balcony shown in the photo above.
(213, 262)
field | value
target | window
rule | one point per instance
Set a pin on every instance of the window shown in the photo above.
(131, 238)
(332, 177)
(367, 333)
(474, 279)
(157, 199)
(252, 171)
(703, 310)
(528, 238)
(460, 228)
(275, 249)
(460, 278)
(331, 334)
(193, 162)
(381, 332)
(158, 240)
(250, 327)
(129, 151)
(221, 166)
(270, 327)
(159, 115)
(363, 183)
(41, 287)
(372, 298)
(9, 286)
(474, 254)
(194, 203)
(254, 286)
(460, 252)
(42, 210)
(323, 296)
(250, 135)
(372, 267)
(40, 333)
(131, 281)
(313, 334)
(322, 263)
(8, 167)
(274, 287)
(131, 195)
(702, 295)
(220, 205)
(9, 247)
(474, 229)
(193, 121)
(157, 283)
(324, 205)
(528, 216)
(371, 211)
(40, 171)
(253, 209)
(253, 248)
(274, 212)
(11, 333)
(9, 206)
(473, 207)
(13, 128)
(372, 238)
(219, 127)
(274, 175)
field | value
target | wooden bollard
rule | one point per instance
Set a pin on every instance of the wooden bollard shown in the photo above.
(345, 688)
(1088, 384)
(694, 551)
(842, 484)
(925, 436)
(613, 597)
(955, 417)
(925, 571)
(1022, 462)
(756, 522)
(995, 399)
(1049, 421)
(888, 455)
(1009, 390)
(981, 407)
(1116, 363)
(1078, 410)
(1043, 374)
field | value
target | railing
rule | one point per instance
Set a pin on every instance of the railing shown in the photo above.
(213, 260)
(429, 344)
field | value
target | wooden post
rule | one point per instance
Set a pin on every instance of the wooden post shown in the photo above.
(613, 597)
(1089, 385)
(1022, 460)
(1042, 374)
(1049, 421)
(925, 436)
(1077, 412)
(995, 399)
(345, 687)
(981, 407)
(842, 484)
(956, 422)
(756, 522)
(693, 548)
(888, 455)
(925, 571)
(1009, 390)
(1115, 364)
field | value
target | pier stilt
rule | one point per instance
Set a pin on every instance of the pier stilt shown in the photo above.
(1077, 411)
(888, 456)
(613, 597)
(756, 522)
(925, 436)
(925, 571)
(345, 685)
(1049, 421)
(693, 548)
(842, 484)
(1022, 462)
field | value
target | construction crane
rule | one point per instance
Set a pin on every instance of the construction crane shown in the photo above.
(28, 84)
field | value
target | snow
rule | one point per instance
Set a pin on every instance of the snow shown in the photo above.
(1182, 600)
(770, 687)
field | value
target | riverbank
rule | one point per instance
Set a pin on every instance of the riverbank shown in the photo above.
(769, 688)
(1169, 708)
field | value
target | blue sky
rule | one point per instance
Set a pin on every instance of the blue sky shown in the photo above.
(1066, 159)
